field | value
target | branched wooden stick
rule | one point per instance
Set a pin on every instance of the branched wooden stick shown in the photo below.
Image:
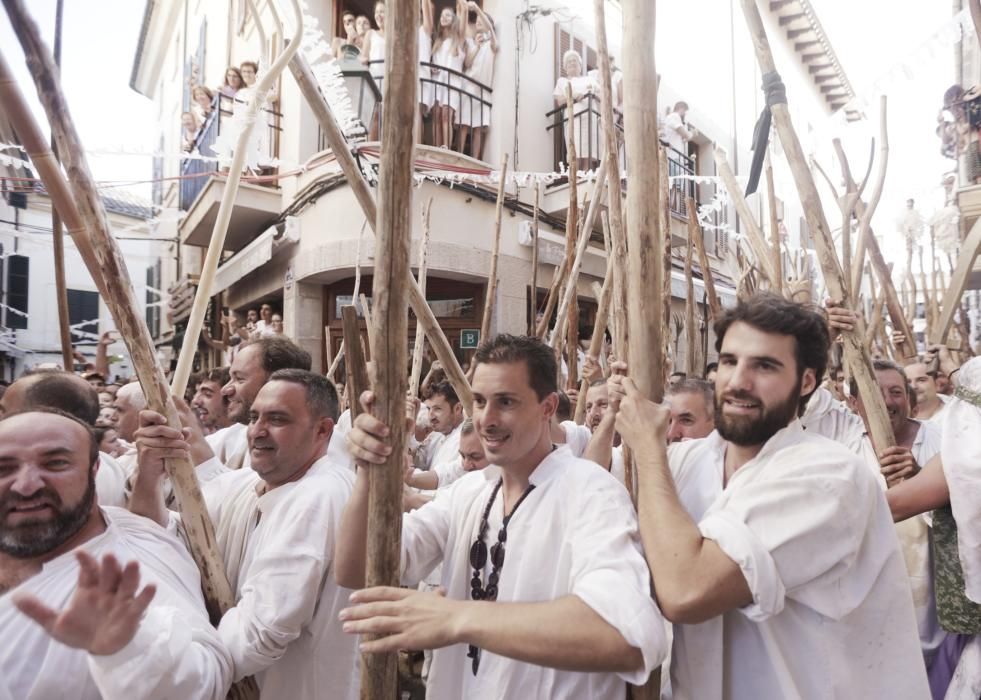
(856, 352)
(776, 257)
(754, 235)
(866, 221)
(357, 370)
(599, 327)
(216, 246)
(695, 234)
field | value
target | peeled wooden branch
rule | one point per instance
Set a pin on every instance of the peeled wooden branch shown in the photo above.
(776, 257)
(420, 336)
(389, 334)
(485, 323)
(866, 220)
(359, 186)
(691, 333)
(696, 236)
(216, 246)
(856, 352)
(599, 327)
(754, 236)
(357, 369)
(618, 234)
(958, 283)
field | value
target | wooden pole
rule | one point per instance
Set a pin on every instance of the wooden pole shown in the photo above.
(958, 283)
(696, 236)
(571, 225)
(366, 311)
(485, 323)
(691, 332)
(533, 302)
(120, 299)
(359, 186)
(776, 257)
(420, 336)
(57, 234)
(357, 369)
(670, 354)
(328, 352)
(865, 222)
(855, 350)
(379, 672)
(216, 246)
(618, 234)
(754, 236)
(599, 327)
(569, 292)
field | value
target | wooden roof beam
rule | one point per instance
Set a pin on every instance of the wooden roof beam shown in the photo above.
(787, 19)
(819, 68)
(801, 45)
(794, 33)
(776, 5)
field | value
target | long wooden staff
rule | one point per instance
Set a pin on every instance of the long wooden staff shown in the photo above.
(307, 83)
(420, 336)
(618, 234)
(691, 332)
(599, 326)
(485, 322)
(958, 283)
(571, 221)
(754, 236)
(357, 370)
(856, 352)
(533, 301)
(122, 303)
(776, 257)
(864, 233)
(216, 245)
(696, 236)
(355, 297)
(379, 672)
(582, 243)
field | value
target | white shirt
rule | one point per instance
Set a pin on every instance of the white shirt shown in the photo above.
(176, 653)
(284, 628)
(831, 614)
(828, 417)
(673, 127)
(575, 533)
(110, 482)
(576, 437)
(231, 446)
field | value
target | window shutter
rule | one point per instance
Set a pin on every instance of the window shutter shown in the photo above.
(18, 283)
(83, 315)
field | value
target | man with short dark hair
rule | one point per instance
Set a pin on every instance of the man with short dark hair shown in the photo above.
(276, 525)
(764, 532)
(209, 405)
(438, 457)
(597, 401)
(930, 402)
(250, 370)
(565, 610)
(73, 623)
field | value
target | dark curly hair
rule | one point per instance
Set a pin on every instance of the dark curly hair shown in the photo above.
(772, 313)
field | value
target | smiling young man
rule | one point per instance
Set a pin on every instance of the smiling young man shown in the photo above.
(275, 525)
(74, 624)
(208, 404)
(547, 594)
(771, 549)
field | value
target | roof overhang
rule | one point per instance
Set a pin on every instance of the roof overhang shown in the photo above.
(157, 29)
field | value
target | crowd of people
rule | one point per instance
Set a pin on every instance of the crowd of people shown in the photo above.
(772, 551)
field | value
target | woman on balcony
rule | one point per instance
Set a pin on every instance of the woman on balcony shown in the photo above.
(478, 65)
(204, 102)
(586, 140)
(373, 56)
(449, 50)
(233, 82)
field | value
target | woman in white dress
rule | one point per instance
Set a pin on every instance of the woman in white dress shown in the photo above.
(582, 85)
(449, 50)
(373, 54)
(426, 93)
(474, 116)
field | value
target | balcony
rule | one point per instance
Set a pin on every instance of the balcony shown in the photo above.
(203, 182)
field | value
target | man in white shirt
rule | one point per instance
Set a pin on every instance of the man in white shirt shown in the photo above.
(275, 525)
(771, 549)
(250, 370)
(442, 446)
(70, 393)
(676, 131)
(929, 403)
(73, 623)
(565, 611)
(208, 404)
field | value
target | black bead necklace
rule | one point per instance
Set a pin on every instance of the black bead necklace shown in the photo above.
(478, 558)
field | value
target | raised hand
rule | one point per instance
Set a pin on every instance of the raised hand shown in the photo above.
(103, 614)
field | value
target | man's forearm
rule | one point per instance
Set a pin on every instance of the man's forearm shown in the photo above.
(565, 634)
(147, 499)
(349, 559)
(600, 447)
(424, 480)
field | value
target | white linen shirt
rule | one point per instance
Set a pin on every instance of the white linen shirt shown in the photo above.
(575, 534)
(576, 437)
(278, 549)
(176, 653)
(231, 446)
(832, 615)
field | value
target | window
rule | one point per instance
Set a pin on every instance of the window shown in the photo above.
(83, 315)
(18, 279)
(563, 42)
